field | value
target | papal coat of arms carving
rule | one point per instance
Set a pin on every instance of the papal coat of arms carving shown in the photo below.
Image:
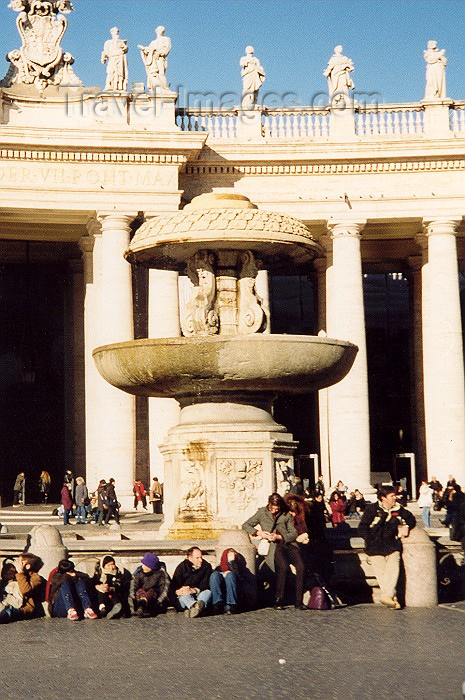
(41, 61)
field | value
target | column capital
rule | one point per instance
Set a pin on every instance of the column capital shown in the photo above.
(345, 227)
(94, 227)
(111, 220)
(441, 225)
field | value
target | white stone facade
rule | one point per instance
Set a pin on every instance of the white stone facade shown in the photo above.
(383, 186)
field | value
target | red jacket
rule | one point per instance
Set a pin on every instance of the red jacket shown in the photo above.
(338, 509)
(66, 499)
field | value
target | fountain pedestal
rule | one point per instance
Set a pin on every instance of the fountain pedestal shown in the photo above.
(222, 461)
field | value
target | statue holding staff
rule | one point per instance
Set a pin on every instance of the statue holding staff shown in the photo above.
(114, 55)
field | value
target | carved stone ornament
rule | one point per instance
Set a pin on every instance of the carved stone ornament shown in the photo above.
(252, 318)
(192, 487)
(285, 475)
(41, 61)
(201, 317)
(240, 480)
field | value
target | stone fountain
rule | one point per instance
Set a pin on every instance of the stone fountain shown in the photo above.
(227, 454)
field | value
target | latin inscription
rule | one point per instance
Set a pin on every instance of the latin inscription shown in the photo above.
(149, 178)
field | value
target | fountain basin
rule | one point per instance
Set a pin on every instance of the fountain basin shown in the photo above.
(190, 368)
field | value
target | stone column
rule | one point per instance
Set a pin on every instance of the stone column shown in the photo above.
(116, 324)
(322, 266)
(164, 322)
(91, 254)
(349, 426)
(418, 408)
(443, 368)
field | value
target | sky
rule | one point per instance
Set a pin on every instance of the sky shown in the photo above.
(293, 39)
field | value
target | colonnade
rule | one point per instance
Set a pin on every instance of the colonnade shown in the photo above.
(344, 408)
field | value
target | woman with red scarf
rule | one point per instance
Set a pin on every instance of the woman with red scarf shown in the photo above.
(232, 584)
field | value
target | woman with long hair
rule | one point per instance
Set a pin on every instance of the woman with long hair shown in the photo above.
(272, 524)
(338, 509)
(45, 482)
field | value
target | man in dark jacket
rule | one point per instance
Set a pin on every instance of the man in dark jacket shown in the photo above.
(383, 525)
(190, 585)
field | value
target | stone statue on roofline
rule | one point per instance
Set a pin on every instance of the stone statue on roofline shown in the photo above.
(253, 77)
(338, 72)
(155, 59)
(114, 56)
(436, 63)
(41, 61)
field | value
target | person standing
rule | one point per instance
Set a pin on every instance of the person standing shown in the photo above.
(19, 490)
(140, 495)
(45, 482)
(82, 496)
(67, 503)
(275, 527)
(383, 527)
(156, 496)
(425, 502)
(112, 503)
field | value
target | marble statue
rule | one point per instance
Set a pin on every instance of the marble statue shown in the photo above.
(436, 63)
(41, 61)
(252, 318)
(114, 56)
(253, 77)
(155, 58)
(338, 73)
(201, 317)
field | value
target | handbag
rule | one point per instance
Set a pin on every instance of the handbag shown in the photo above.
(318, 599)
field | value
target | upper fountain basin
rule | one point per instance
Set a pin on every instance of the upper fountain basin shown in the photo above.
(203, 366)
(222, 221)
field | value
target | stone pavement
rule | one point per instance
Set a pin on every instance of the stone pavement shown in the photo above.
(357, 653)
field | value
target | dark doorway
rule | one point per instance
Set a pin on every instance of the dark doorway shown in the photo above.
(32, 375)
(388, 330)
(294, 311)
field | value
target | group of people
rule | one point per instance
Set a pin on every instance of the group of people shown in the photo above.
(101, 505)
(112, 592)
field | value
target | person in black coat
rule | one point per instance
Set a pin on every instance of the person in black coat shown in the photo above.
(149, 589)
(383, 526)
(190, 585)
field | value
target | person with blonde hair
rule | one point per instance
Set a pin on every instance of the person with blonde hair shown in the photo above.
(45, 482)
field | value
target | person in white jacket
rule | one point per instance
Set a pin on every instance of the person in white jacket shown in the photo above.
(425, 502)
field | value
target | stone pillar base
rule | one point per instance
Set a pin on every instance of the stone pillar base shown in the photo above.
(221, 463)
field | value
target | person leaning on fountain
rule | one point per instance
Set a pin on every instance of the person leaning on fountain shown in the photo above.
(383, 526)
(189, 589)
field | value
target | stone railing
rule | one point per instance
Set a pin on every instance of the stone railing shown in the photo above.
(221, 124)
(364, 122)
(303, 122)
(457, 118)
(392, 119)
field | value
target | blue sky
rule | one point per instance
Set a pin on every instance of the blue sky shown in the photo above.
(293, 39)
